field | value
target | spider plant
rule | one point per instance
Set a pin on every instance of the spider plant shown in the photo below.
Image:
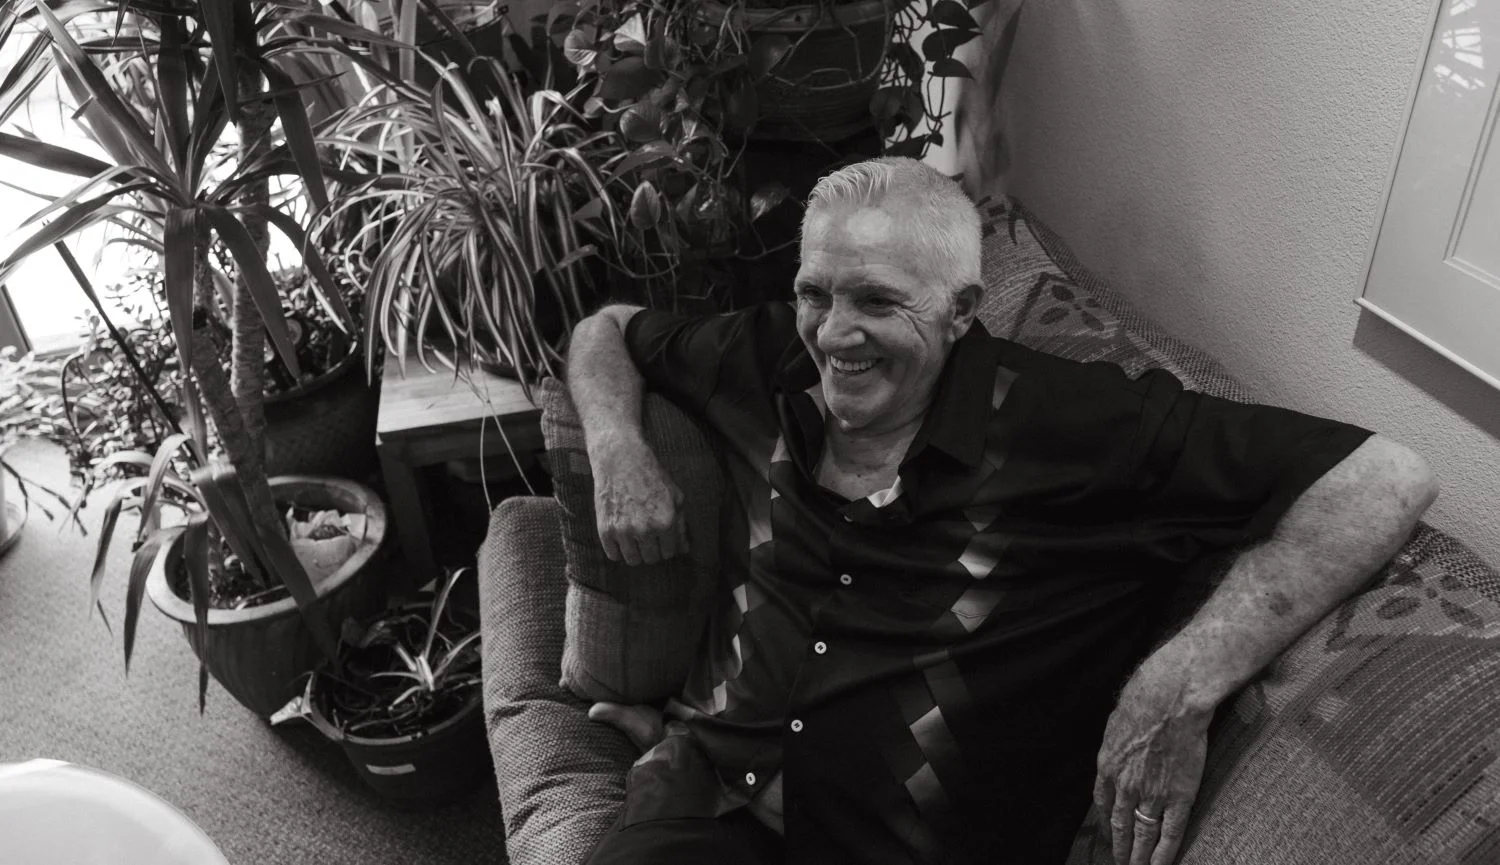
(158, 83)
(406, 670)
(483, 216)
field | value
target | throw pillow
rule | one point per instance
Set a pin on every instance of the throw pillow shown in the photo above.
(632, 631)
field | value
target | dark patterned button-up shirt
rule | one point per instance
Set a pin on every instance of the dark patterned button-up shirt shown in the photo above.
(930, 668)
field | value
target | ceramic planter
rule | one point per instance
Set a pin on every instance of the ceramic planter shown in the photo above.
(260, 653)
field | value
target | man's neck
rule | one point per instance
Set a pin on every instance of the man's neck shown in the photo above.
(856, 464)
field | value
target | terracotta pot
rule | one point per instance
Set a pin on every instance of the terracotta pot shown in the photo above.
(260, 653)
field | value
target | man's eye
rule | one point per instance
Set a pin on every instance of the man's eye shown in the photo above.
(811, 295)
(878, 302)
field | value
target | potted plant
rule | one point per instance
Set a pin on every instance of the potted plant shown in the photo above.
(481, 221)
(30, 408)
(407, 705)
(709, 93)
(177, 77)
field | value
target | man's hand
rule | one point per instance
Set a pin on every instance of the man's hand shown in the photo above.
(1151, 764)
(637, 507)
(641, 724)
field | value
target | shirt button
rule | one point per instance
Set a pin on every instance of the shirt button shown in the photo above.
(846, 579)
(797, 725)
(820, 647)
(750, 778)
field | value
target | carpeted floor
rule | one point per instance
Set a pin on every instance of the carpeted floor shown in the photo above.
(265, 795)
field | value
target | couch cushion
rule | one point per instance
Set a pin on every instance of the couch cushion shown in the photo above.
(1373, 738)
(633, 631)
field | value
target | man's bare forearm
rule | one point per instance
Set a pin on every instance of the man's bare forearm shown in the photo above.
(1327, 545)
(606, 387)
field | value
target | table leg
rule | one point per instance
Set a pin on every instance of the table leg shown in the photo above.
(409, 508)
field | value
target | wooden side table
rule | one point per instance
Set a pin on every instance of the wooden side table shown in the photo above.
(432, 416)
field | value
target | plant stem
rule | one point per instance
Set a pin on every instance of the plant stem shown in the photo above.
(248, 366)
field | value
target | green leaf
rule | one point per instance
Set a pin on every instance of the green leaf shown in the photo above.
(160, 465)
(629, 79)
(135, 594)
(115, 124)
(106, 534)
(767, 198)
(218, 18)
(641, 123)
(50, 157)
(578, 49)
(172, 87)
(313, 261)
(650, 153)
(348, 30)
(942, 43)
(886, 102)
(767, 51)
(180, 239)
(193, 417)
(29, 70)
(262, 288)
(950, 68)
(299, 134)
(73, 219)
(951, 13)
(645, 206)
(231, 515)
(285, 564)
(195, 561)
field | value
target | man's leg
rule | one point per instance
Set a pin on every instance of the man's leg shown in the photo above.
(736, 838)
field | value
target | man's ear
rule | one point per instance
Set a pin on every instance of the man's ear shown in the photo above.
(965, 307)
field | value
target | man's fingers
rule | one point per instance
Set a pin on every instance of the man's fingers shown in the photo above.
(611, 547)
(1122, 827)
(1145, 841)
(1173, 828)
(640, 724)
(650, 549)
(630, 553)
(667, 540)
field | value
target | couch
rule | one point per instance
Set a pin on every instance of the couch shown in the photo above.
(1372, 739)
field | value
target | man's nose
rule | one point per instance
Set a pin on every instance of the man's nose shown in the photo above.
(840, 329)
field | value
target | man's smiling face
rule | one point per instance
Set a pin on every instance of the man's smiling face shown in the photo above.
(874, 318)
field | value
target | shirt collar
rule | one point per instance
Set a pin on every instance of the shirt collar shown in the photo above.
(957, 422)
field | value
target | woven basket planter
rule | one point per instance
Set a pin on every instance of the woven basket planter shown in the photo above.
(259, 654)
(324, 427)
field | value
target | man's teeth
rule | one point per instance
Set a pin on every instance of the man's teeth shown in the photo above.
(850, 366)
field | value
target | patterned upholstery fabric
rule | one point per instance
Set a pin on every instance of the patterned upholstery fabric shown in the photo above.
(1371, 740)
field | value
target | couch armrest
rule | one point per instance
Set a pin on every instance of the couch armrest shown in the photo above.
(561, 776)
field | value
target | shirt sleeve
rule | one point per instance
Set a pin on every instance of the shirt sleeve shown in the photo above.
(1219, 473)
(690, 358)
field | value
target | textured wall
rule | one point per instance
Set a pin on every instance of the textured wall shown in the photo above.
(1223, 164)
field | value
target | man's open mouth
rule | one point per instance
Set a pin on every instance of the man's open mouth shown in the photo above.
(851, 367)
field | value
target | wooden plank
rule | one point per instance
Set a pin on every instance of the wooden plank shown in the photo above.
(425, 402)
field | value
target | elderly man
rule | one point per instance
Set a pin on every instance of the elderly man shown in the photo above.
(945, 558)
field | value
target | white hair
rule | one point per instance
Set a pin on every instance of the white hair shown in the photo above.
(933, 209)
